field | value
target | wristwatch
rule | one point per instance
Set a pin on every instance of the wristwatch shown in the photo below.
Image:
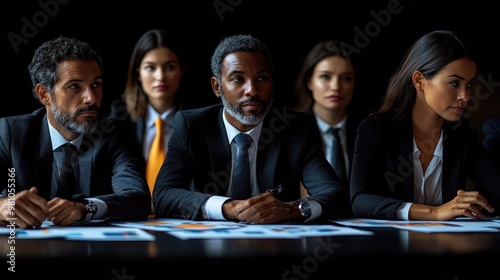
(88, 211)
(304, 207)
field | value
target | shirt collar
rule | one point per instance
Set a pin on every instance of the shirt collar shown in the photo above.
(438, 151)
(58, 140)
(324, 126)
(232, 131)
(152, 115)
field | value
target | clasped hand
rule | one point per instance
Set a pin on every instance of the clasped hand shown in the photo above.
(466, 203)
(264, 208)
(30, 210)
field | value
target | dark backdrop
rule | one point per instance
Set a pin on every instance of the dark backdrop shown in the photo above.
(378, 31)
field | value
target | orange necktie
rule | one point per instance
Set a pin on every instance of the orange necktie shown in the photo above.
(156, 155)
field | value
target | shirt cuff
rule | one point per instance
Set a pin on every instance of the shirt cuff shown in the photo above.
(212, 208)
(403, 211)
(102, 208)
(316, 210)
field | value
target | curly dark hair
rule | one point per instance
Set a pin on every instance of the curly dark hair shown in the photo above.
(43, 67)
(237, 43)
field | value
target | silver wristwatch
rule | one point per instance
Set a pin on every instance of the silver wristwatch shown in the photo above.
(88, 211)
(304, 207)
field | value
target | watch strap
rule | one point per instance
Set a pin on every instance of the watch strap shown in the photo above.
(88, 212)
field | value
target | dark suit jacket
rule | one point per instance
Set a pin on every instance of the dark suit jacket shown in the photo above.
(491, 141)
(382, 175)
(118, 109)
(198, 163)
(110, 169)
(351, 125)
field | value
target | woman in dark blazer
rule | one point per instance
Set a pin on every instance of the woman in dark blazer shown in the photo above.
(325, 88)
(491, 140)
(413, 158)
(154, 89)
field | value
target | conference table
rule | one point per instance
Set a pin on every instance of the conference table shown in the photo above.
(387, 253)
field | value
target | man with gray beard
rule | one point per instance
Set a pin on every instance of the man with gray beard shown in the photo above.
(64, 162)
(197, 180)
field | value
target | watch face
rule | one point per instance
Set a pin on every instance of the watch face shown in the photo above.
(305, 208)
(90, 207)
(88, 211)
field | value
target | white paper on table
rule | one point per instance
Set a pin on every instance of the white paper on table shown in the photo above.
(456, 225)
(286, 231)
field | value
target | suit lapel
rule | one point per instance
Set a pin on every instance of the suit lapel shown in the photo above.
(220, 156)
(267, 156)
(43, 159)
(140, 131)
(451, 152)
(267, 160)
(404, 159)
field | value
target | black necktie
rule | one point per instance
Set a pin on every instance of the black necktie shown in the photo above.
(241, 169)
(66, 186)
(337, 155)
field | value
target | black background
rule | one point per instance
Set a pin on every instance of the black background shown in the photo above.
(288, 28)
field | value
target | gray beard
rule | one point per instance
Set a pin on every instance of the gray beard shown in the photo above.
(69, 123)
(235, 112)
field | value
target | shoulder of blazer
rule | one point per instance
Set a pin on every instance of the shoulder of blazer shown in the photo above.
(113, 127)
(385, 130)
(199, 118)
(282, 116)
(34, 117)
(201, 112)
(25, 125)
(460, 131)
